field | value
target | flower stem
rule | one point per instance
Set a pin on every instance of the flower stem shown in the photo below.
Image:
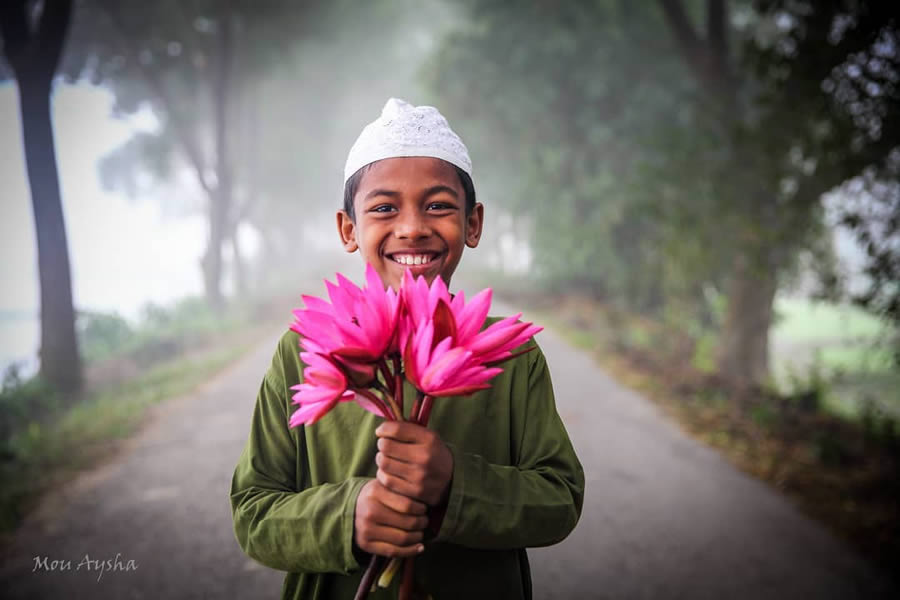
(385, 410)
(406, 585)
(388, 574)
(398, 382)
(425, 411)
(388, 380)
(394, 408)
(416, 407)
(369, 576)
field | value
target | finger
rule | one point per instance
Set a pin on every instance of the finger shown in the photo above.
(402, 506)
(390, 518)
(403, 469)
(401, 431)
(405, 451)
(384, 549)
(401, 486)
(394, 536)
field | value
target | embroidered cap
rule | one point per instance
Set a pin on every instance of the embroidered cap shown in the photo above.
(407, 130)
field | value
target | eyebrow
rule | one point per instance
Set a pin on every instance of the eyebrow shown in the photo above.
(380, 192)
(435, 189)
(441, 188)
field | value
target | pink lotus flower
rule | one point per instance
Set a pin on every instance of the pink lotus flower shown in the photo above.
(443, 369)
(495, 343)
(463, 322)
(359, 325)
(445, 348)
(324, 385)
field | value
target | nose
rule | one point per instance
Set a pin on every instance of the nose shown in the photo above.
(412, 225)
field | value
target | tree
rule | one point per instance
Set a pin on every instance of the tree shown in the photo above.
(33, 38)
(770, 96)
(189, 62)
(661, 161)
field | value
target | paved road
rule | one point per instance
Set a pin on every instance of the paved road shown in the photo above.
(664, 517)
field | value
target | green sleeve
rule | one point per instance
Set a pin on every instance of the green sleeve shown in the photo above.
(276, 521)
(534, 502)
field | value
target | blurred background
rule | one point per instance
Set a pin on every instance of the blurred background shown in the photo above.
(703, 195)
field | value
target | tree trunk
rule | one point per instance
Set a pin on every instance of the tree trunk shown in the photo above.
(212, 260)
(60, 360)
(240, 268)
(220, 199)
(744, 346)
(33, 49)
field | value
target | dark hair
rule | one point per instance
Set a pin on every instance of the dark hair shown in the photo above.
(352, 186)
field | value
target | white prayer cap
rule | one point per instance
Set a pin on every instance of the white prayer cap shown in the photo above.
(407, 130)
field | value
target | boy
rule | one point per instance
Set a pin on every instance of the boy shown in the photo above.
(495, 472)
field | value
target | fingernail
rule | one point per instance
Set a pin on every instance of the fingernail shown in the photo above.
(420, 548)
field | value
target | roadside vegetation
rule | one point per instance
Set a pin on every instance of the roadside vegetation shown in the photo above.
(824, 431)
(46, 437)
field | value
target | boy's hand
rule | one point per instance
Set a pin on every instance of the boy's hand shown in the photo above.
(414, 462)
(387, 523)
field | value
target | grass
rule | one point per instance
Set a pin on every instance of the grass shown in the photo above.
(807, 321)
(835, 451)
(50, 451)
(851, 349)
(46, 438)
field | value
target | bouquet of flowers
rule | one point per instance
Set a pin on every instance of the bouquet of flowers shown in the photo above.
(361, 346)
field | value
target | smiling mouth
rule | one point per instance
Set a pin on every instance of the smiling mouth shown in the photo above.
(408, 259)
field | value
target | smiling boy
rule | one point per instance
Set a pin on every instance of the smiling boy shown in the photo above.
(494, 474)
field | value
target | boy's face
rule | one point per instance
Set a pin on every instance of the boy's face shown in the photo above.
(411, 214)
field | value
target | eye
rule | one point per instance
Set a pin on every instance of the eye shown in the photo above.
(382, 208)
(441, 206)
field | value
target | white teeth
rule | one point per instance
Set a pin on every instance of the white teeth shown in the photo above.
(412, 259)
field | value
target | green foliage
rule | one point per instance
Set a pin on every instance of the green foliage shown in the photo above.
(36, 452)
(830, 449)
(807, 390)
(159, 332)
(704, 354)
(101, 335)
(764, 414)
(648, 175)
(23, 402)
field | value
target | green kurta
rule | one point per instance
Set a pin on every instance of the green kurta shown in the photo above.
(516, 483)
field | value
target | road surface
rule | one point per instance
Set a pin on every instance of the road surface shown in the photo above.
(664, 517)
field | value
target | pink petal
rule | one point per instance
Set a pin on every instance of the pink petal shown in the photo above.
(311, 394)
(373, 281)
(341, 299)
(496, 338)
(503, 352)
(464, 390)
(411, 367)
(422, 340)
(309, 414)
(368, 405)
(444, 368)
(317, 304)
(458, 302)
(437, 292)
(471, 318)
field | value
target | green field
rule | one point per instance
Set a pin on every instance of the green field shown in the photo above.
(851, 350)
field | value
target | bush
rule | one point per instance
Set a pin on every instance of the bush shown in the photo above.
(160, 333)
(23, 403)
(102, 335)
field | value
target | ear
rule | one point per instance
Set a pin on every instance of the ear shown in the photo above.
(474, 223)
(347, 231)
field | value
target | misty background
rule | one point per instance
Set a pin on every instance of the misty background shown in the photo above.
(701, 195)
